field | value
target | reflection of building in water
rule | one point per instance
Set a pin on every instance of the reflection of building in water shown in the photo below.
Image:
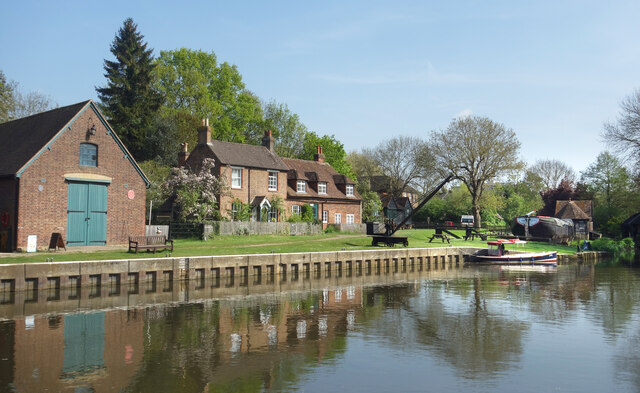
(100, 351)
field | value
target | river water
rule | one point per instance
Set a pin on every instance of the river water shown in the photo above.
(473, 329)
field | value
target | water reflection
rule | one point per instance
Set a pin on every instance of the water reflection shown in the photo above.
(475, 324)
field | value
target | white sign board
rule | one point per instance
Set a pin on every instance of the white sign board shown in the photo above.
(32, 243)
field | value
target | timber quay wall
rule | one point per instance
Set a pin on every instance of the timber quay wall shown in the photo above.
(149, 271)
(62, 275)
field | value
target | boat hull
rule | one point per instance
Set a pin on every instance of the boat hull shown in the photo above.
(541, 258)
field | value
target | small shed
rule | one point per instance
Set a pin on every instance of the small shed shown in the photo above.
(66, 171)
(575, 211)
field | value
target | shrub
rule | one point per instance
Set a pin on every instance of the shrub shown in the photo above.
(622, 247)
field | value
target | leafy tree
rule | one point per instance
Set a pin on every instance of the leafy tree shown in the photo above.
(476, 150)
(332, 149)
(7, 98)
(157, 174)
(128, 100)
(517, 199)
(306, 213)
(287, 129)
(363, 165)
(624, 134)
(566, 190)
(404, 159)
(195, 86)
(611, 185)
(196, 191)
(240, 211)
(551, 172)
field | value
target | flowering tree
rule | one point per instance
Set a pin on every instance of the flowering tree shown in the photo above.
(196, 191)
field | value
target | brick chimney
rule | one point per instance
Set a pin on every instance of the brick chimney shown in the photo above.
(268, 140)
(183, 156)
(319, 157)
(204, 132)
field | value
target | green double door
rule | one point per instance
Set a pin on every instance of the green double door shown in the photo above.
(87, 214)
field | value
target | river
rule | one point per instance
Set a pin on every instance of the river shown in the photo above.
(473, 329)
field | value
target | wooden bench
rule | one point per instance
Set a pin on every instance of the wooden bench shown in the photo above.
(149, 243)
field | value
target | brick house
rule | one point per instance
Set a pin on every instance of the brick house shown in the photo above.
(66, 171)
(258, 176)
(255, 174)
(332, 196)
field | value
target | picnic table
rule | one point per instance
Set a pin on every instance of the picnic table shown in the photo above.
(440, 235)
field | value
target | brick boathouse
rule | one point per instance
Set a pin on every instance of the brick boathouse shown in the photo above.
(66, 171)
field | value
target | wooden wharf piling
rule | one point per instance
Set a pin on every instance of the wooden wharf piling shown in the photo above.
(57, 275)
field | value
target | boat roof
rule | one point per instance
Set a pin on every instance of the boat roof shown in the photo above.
(506, 241)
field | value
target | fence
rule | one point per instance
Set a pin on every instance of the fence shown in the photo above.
(178, 230)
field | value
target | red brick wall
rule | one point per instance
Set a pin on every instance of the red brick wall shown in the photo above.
(43, 189)
(255, 182)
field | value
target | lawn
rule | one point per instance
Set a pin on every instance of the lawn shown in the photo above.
(264, 244)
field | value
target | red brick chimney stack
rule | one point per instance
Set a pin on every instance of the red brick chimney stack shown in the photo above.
(319, 157)
(183, 155)
(268, 141)
(204, 132)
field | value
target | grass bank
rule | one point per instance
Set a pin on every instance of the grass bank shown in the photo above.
(264, 244)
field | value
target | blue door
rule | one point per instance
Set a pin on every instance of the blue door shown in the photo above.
(87, 214)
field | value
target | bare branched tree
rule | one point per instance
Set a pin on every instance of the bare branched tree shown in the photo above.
(404, 159)
(624, 134)
(476, 150)
(551, 172)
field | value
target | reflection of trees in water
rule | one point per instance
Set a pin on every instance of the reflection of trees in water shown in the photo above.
(616, 295)
(627, 360)
(191, 347)
(475, 340)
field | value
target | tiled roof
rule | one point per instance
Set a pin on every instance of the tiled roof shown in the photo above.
(400, 202)
(23, 138)
(584, 205)
(239, 154)
(313, 172)
(571, 210)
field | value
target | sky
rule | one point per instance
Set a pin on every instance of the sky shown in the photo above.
(365, 71)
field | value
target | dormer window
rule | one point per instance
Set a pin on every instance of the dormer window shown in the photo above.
(301, 186)
(322, 188)
(88, 154)
(349, 189)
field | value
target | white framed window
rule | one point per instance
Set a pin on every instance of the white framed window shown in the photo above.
(350, 219)
(236, 177)
(302, 186)
(349, 189)
(337, 218)
(325, 216)
(273, 181)
(322, 187)
(295, 209)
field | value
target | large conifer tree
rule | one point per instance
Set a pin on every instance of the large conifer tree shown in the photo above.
(128, 100)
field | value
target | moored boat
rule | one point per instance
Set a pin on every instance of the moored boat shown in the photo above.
(497, 254)
(543, 227)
